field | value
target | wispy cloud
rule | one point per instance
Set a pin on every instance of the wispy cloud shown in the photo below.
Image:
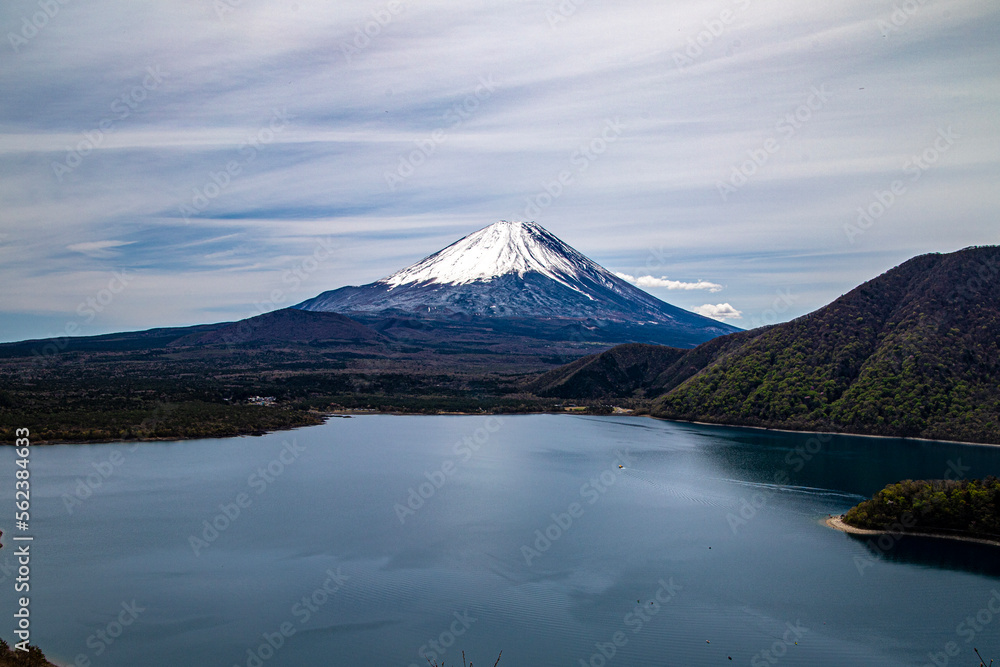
(650, 281)
(77, 95)
(98, 249)
(719, 311)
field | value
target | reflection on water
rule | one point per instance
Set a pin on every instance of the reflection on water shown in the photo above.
(536, 533)
(973, 557)
(851, 464)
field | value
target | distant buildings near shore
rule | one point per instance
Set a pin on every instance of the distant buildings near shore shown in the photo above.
(261, 400)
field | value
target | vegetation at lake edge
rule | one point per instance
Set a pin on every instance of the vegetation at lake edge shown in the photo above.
(166, 394)
(964, 508)
(150, 421)
(200, 419)
(33, 657)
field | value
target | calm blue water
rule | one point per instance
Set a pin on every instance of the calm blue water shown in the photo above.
(698, 549)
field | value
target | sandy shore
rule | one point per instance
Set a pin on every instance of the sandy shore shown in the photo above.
(837, 523)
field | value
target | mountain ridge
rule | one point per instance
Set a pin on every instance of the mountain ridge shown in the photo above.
(519, 270)
(913, 352)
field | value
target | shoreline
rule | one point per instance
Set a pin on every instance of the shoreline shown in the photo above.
(353, 413)
(675, 421)
(837, 523)
(853, 435)
(170, 438)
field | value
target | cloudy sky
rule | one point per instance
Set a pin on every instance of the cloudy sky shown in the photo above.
(172, 163)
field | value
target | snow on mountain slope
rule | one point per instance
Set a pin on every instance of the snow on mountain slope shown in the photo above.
(500, 249)
(518, 271)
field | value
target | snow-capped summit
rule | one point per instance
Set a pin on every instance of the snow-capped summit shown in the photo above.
(519, 275)
(502, 248)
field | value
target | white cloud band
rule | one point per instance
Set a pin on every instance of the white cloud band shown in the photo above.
(662, 281)
(719, 311)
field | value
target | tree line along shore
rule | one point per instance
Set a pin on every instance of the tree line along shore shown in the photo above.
(967, 509)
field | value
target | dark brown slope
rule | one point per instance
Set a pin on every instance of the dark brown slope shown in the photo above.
(633, 370)
(621, 371)
(286, 325)
(279, 326)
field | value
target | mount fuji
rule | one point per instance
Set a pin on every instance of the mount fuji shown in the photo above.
(515, 279)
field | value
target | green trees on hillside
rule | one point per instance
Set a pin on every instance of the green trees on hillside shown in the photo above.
(966, 507)
(912, 353)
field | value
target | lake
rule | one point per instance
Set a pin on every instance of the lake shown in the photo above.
(386, 540)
